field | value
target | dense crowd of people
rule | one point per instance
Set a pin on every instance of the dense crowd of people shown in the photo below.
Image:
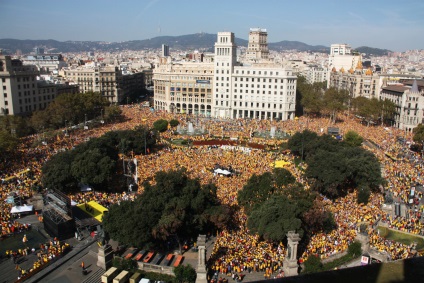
(237, 251)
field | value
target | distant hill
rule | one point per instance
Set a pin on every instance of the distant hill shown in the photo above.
(372, 51)
(297, 45)
(199, 41)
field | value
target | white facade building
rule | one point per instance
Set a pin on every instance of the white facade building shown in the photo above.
(46, 63)
(224, 88)
(409, 100)
(315, 74)
(341, 58)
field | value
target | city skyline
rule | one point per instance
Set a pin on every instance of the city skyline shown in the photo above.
(390, 24)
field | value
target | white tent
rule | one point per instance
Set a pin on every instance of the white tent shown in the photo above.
(21, 209)
(222, 172)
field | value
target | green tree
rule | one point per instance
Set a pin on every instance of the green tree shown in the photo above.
(112, 112)
(160, 125)
(354, 249)
(388, 111)
(334, 172)
(282, 177)
(175, 208)
(185, 274)
(419, 134)
(313, 264)
(307, 143)
(275, 217)
(136, 141)
(363, 195)
(302, 143)
(174, 123)
(256, 191)
(57, 173)
(352, 138)
(335, 101)
(69, 107)
(93, 167)
(125, 264)
(312, 99)
(369, 109)
(8, 142)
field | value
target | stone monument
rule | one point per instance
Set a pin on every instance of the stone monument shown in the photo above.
(290, 266)
(201, 263)
(105, 254)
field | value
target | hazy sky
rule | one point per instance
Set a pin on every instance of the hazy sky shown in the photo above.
(396, 25)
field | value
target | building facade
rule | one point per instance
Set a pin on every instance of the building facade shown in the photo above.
(409, 100)
(257, 47)
(18, 91)
(105, 80)
(341, 57)
(183, 88)
(224, 88)
(21, 93)
(358, 82)
(315, 74)
(46, 63)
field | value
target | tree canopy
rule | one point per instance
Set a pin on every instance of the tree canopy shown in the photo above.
(160, 125)
(260, 187)
(73, 109)
(175, 209)
(335, 101)
(185, 274)
(275, 204)
(374, 110)
(94, 162)
(275, 217)
(335, 166)
(419, 134)
(352, 138)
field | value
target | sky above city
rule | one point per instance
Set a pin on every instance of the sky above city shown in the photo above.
(394, 25)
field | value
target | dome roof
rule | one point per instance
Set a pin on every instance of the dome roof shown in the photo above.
(368, 72)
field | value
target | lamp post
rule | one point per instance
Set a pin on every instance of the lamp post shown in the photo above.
(101, 116)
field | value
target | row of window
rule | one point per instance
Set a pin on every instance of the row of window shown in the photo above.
(208, 90)
(202, 100)
(253, 105)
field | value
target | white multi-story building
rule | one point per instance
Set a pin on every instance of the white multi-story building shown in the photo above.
(261, 90)
(18, 92)
(21, 93)
(315, 74)
(341, 58)
(409, 100)
(97, 79)
(184, 87)
(358, 81)
(46, 63)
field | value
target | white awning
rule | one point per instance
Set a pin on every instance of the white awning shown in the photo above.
(23, 208)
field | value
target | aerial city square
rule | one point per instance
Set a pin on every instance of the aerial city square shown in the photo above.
(165, 141)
